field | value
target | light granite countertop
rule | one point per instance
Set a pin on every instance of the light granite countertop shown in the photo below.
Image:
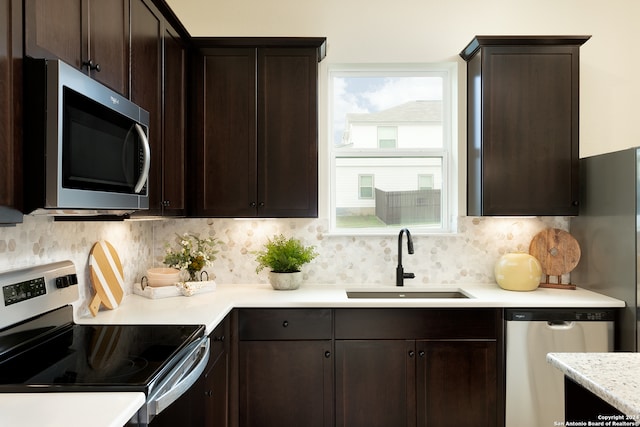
(613, 377)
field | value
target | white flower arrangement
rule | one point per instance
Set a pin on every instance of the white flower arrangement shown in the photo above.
(192, 255)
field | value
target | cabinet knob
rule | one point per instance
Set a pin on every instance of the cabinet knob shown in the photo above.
(421, 353)
(327, 354)
(412, 353)
(575, 203)
(166, 203)
(252, 205)
(285, 323)
(261, 204)
(91, 66)
(218, 339)
(208, 393)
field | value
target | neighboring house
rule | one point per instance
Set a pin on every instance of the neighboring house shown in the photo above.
(368, 159)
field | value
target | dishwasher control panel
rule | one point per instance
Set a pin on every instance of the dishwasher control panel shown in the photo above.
(560, 315)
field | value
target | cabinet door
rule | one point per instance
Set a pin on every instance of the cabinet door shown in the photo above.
(523, 131)
(53, 29)
(216, 393)
(78, 31)
(108, 43)
(146, 72)
(10, 111)
(375, 383)
(457, 383)
(226, 159)
(287, 132)
(285, 383)
(173, 130)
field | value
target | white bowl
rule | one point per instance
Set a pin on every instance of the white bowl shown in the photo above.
(162, 276)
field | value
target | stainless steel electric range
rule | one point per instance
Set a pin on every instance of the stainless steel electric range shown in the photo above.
(43, 350)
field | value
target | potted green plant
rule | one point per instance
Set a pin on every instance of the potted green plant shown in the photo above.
(284, 257)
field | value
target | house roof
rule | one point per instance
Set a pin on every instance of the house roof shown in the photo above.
(412, 111)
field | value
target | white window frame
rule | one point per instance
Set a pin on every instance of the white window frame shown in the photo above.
(360, 186)
(425, 175)
(448, 153)
(395, 136)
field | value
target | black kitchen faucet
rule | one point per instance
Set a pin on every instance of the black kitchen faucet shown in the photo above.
(400, 274)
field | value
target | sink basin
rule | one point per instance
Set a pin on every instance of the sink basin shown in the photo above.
(407, 294)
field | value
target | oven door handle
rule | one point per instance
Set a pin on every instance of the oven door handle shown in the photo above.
(190, 369)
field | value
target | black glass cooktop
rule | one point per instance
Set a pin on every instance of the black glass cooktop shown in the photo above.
(91, 357)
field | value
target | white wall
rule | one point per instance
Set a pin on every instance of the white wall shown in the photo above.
(434, 31)
(380, 31)
(376, 31)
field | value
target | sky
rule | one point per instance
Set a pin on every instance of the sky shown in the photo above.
(372, 94)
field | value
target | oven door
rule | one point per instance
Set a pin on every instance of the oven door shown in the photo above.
(184, 373)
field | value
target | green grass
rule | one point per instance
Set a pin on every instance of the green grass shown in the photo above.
(359, 221)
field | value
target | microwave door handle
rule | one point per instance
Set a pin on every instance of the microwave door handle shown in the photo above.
(147, 159)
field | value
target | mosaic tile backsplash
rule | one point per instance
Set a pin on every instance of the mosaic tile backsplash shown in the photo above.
(465, 257)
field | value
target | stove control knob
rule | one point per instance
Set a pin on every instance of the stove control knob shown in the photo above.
(66, 281)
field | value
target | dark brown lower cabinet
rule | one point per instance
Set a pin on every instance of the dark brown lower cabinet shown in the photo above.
(285, 367)
(582, 407)
(375, 383)
(406, 383)
(456, 383)
(424, 367)
(285, 383)
(389, 367)
(206, 403)
(214, 388)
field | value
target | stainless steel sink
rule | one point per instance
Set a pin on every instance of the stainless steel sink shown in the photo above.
(407, 294)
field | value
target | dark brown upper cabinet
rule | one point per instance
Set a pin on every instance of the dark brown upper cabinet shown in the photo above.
(92, 35)
(10, 111)
(158, 67)
(522, 125)
(255, 116)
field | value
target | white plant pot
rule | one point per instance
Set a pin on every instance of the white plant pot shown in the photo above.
(285, 281)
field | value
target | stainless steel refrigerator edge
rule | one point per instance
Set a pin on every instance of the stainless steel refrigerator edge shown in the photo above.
(607, 231)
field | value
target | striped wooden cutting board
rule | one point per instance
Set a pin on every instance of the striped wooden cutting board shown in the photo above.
(107, 276)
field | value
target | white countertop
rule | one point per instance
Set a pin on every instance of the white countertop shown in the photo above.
(68, 409)
(210, 308)
(613, 377)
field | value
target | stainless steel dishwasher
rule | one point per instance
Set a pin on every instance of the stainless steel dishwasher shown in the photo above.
(534, 389)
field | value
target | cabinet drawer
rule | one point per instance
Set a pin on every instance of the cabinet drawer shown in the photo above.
(284, 324)
(464, 323)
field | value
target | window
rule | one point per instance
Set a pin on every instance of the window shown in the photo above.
(394, 123)
(387, 136)
(425, 182)
(365, 186)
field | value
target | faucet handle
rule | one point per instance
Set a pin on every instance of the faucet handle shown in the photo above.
(408, 275)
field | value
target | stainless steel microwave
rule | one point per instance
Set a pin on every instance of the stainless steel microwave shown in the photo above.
(86, 148)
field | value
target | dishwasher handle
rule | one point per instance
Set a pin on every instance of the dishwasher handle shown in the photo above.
(560, 325)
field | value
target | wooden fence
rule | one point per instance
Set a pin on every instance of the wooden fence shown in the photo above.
(408, 207)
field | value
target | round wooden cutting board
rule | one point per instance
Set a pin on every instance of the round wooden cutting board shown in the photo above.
(557, 251)
(107, 276)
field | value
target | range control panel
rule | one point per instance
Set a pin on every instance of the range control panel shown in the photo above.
(32, 291)
(24, 290)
